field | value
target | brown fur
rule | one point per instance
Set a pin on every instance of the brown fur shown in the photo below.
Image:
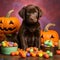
(29, 32)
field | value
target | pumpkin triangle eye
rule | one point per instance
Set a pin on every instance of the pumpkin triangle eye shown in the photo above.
(42, 36)
(52, 36)
(11, 22)
(0, 21)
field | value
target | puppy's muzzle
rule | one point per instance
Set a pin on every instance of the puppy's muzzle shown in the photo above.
(33, 17)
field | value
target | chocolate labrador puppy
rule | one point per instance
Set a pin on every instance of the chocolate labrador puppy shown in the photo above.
(29, 32)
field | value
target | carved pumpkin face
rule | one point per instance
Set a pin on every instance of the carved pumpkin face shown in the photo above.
(9, 24)
(49, 35)
(12, 24)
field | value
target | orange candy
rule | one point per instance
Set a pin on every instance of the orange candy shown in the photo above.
(23, 54)
(46, 56)
(15, 44)
(12, 54)
(33, 54)
(58, 52)
(35, 49)
(17, 53)
(28, 49)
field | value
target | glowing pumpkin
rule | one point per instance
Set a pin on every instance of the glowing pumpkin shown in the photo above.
(49, 35)
(9, 24)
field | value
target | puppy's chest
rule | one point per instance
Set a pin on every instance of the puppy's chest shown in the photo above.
(29, 37)
(29, 33)
(31, 29)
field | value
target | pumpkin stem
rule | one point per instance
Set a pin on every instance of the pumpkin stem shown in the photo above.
(9, 13)
(48, 25)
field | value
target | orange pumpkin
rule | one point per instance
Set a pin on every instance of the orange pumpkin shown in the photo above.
(9, 24)
(49, 34)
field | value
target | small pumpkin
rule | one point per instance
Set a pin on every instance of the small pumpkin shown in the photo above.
(9, 24)
(49, 34)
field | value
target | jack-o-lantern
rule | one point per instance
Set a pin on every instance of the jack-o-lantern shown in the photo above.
(49, 35)
(9, 24)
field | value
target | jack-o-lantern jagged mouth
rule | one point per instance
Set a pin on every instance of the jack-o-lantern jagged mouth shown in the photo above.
(11, 29)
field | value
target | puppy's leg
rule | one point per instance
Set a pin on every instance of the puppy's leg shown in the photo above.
(37, 42)
(22, 42)
(22, 38)
(37, 39)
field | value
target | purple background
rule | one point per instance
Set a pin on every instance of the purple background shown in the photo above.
(50, 8)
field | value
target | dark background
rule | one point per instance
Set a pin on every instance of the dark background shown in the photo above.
(50, 8)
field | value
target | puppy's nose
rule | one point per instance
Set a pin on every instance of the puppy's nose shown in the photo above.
(35, 20)
(33, 17)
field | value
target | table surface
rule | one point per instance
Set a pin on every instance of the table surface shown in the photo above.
(6, 57)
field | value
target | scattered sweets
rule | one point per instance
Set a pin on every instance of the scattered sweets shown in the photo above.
(33, 54)
(31, 51)
(51, 54)
(35, 49)
(28, 54)
(12, 54)
(8, 44)
(48, 43)
(58, 52)
(40, 55)
(46, 56)
(48, 52)
(28, 49)
(8, 47)
(16, 53)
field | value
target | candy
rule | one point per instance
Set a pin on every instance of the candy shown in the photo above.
(48, 52)
(58, 52)
(33, 54)
(28, 49)
(12, 54)
(40, 55)
(28, 54)
(51, 54)
(48, 43)
(23, 55)
(16, 53)
(8, 44)
(31, 50)
(15, 44)
(46, 56)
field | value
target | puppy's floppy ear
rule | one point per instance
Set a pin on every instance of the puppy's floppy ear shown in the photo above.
(22, 12)
(39, 12)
